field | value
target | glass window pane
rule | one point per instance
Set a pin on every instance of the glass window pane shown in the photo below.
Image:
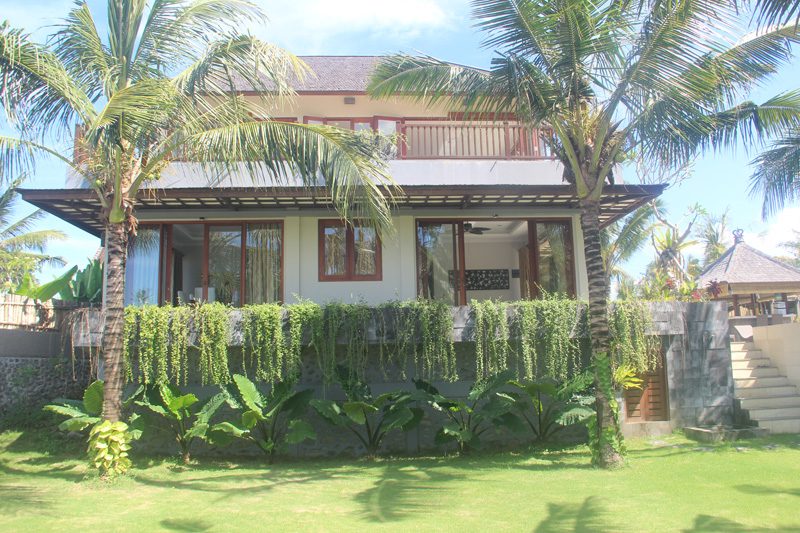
(225, 264)
(334, 250)
(387, 127)
(263, 260)
(554, 263)
(437, 260)
(141, 272)
(343, 124)
(365, 240)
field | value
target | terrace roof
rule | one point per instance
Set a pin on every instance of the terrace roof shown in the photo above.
(81, 207)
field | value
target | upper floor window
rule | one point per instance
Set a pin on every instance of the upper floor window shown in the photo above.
(348, 253)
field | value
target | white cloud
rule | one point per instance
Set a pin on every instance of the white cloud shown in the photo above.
(780, 229)
(325, 26)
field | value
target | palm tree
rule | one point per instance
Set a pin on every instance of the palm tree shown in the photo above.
(608, 78)
(712, 234)
(22, 249)
(777, 175)
(622, 239)
(162, 84)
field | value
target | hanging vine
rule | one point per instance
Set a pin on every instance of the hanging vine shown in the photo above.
(264, 350)
(213, 326)
(491, 336)
(538, 338)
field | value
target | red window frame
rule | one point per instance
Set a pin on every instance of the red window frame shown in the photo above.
(350, 254)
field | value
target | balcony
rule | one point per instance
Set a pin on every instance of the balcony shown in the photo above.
(450, 140)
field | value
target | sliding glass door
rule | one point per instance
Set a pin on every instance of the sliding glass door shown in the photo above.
(231, 263)
(497, 259)
(439, 275)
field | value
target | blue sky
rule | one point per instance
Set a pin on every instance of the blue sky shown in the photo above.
(440, 28)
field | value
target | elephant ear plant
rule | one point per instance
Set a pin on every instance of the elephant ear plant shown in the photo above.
(370, 418)
(485, 407)
(185, 421)
(81, 413)
(548, 407)
(269, 421)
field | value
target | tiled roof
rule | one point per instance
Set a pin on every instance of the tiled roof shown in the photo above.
(742, 263)
(332, 74)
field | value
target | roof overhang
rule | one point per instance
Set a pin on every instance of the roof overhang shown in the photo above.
(81, 207)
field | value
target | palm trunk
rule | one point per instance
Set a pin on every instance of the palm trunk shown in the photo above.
(607, 454)
(114, 320)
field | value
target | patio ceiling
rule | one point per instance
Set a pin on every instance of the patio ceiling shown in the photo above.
(81, 207)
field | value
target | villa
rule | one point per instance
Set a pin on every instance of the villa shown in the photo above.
(483, 214)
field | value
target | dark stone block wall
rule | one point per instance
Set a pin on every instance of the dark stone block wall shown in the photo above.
(698, 361)
(33, 370)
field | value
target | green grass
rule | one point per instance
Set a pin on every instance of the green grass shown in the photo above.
(669, 485)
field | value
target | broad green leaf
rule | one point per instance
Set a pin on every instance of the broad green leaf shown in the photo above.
(48, 290)
(250, 418)
(329, 410)
(66, 410)
(357, 411)
(298, 431)
(93, 398)
(209, 408)
(417, 417)
(180, 403)
(198, 430)
(78, 423)
(230, 429)
(249, 393)
(223, 433)
(136, 426)
(493, 383)
(397, 417)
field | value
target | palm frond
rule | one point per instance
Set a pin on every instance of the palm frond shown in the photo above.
(36, 90)
(176, 31)
(18, 157)
(80, 48)
(32, 240)
(21, 226)
(772, 12)
(777, 175)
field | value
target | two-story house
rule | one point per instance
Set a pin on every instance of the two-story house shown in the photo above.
(484, 213)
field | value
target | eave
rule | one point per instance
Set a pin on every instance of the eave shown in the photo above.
(81, 207)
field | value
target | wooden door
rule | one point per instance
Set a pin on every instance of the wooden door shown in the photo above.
(651, 402)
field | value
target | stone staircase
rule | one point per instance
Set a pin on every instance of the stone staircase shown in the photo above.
(768, 398)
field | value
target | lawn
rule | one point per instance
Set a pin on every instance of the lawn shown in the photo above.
(671, 484)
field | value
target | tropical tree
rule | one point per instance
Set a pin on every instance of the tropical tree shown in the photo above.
(793, 247)
(607, 78)
(22, 249)
(712, 234)
(622, 239)
(162, 83)
(777, 175)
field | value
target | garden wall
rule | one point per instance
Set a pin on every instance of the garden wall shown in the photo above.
(694, 337)
(34, 369)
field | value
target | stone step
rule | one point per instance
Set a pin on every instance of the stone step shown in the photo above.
(766, 392)
(758, 372)
(738, 346)
(756, 362)
(786, 425)
(749, 354)
(774, 413)
(774, 402)
(746, 383)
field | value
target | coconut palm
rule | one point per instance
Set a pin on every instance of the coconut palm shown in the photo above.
(772, 12)
(622, 239)
(22, 249)
(777, 175)
(607, 78)
(161, 83)
(713, 235)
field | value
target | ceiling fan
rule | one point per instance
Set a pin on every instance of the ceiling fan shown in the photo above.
(475, 230)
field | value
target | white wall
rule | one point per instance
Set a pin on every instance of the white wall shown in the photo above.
(781, 343)
(492, 255)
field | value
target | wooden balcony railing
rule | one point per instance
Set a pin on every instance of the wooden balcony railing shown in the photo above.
(471, 141)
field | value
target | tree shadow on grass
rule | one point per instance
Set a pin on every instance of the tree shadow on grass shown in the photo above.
(65, 472)
(588, 517)
(767, 491)
(188, 525)
(403, 490)
(715, 524)
(15, 499)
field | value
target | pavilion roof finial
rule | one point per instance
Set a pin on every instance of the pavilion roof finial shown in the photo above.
(738, 236)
